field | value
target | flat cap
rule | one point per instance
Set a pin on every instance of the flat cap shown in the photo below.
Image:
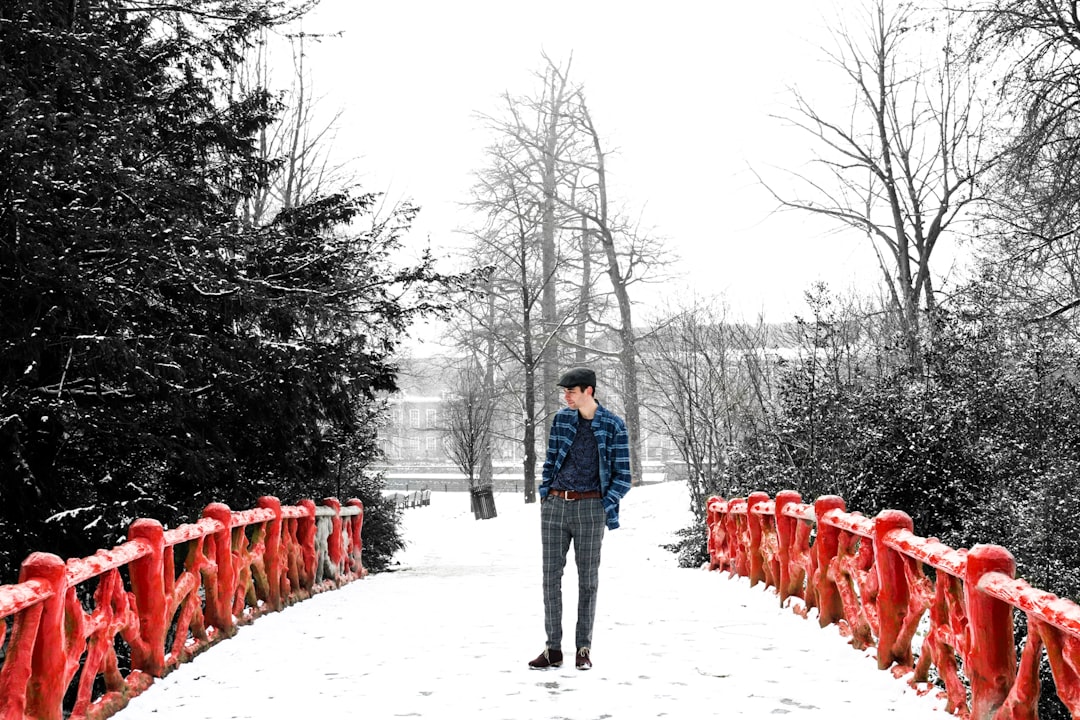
(578, 377)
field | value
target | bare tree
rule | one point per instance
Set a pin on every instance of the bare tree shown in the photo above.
(556, 91)
(1035, 217)
(469, 428)
(905, 162)
(506, 325)
(629, 257)
(563, 261)
(297, 150)
(537, 146)
(710, 397)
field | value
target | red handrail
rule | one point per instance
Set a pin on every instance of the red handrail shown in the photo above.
(237, 566)
(866, 575)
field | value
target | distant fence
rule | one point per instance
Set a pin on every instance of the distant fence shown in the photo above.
(446, 478)
(161, 597)
(447, 482)
(867, 575)
(417, 498)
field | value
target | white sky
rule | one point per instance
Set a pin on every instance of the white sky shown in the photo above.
(449, 634)
(684, 94)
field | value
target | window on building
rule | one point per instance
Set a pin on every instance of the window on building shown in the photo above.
(431, 417)
(432, 443)
(414, 418)
(416, 444)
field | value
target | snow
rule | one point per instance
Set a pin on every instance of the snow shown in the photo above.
(450, 632)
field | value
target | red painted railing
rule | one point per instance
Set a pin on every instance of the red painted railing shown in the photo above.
(867, 575)
(233, 567)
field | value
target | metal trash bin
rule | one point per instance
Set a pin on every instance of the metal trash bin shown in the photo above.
(483, 503)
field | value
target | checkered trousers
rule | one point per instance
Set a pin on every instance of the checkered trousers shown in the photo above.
(563, 521)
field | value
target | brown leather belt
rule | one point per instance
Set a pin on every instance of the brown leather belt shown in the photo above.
(574, 495)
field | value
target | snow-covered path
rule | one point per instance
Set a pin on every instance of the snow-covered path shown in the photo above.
(449, 634)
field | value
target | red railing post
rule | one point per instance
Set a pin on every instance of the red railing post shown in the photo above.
(356, 542)
(990, 662)
(713, 532)
(148, 586)
(305, 536)
(16, 670)
(738, 532)
(219, 593)
(757, 560)
(272, 560)
(829, 604)
(334, 545)
(893, 592)
(48, 672)
(791, 578)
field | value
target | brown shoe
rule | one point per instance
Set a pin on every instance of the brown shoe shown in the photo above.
(547, 659)
(582, 661)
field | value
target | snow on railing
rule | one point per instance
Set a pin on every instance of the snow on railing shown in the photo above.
(234, 566)
(867, 576)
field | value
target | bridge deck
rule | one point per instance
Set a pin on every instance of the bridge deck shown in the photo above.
(451, 631)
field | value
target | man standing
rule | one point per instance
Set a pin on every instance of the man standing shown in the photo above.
(586, 473)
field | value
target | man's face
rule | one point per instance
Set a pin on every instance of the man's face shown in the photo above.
(575, 396)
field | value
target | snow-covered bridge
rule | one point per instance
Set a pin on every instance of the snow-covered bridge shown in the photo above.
(449, 634)
(450, 631)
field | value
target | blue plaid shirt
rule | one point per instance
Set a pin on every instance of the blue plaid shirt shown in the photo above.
(613, 446)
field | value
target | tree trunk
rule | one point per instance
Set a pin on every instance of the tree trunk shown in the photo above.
(529, 365)
(530, 424)
(487, 471)
(580, 357)
(628, 349)
(628, 358)
(549, 354)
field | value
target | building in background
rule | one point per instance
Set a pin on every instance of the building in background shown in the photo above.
(413, 434)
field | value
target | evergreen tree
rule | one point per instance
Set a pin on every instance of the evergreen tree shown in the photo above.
(156, 354)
